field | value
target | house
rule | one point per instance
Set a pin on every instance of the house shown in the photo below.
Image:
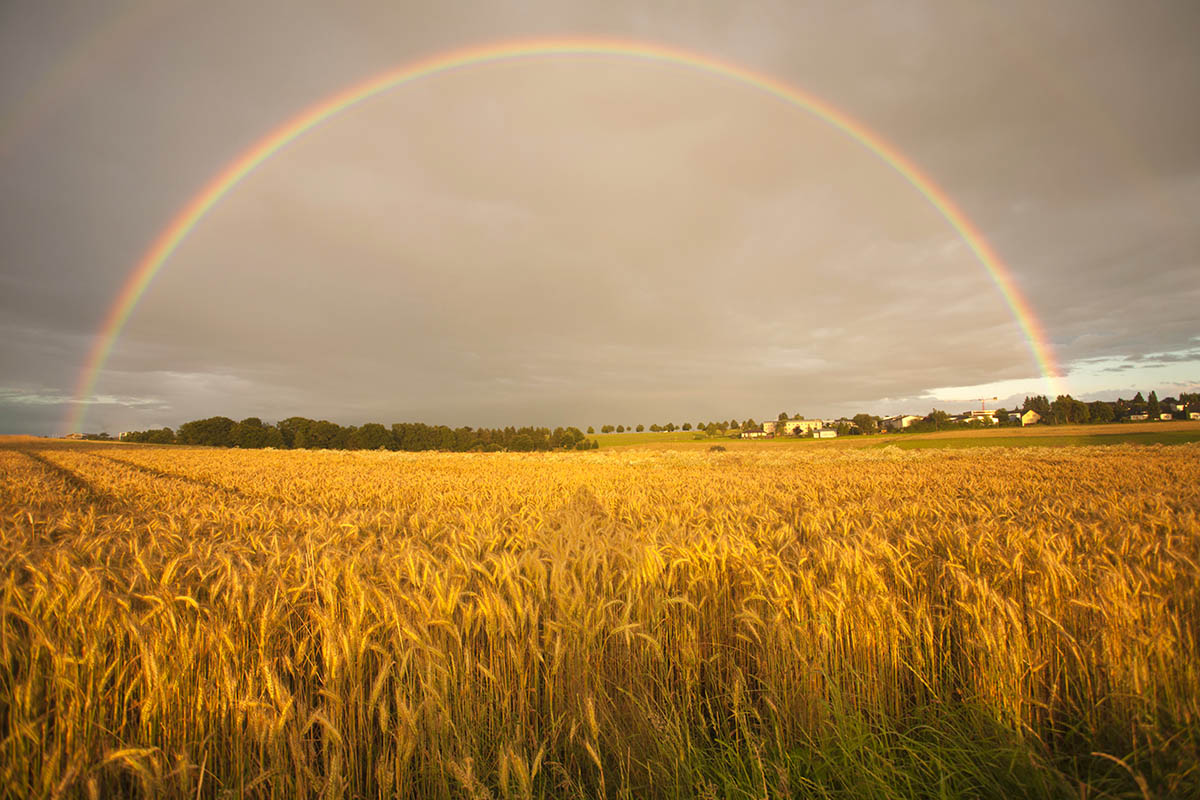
(1030, 417)
(769, 427)
(799, 427)
(1166, 415)
(1194, 415)
(754, 433)
(824, 433)
(984, 416)
(899, 422)
(1171, 404)
(1138, 417)
(74, 436)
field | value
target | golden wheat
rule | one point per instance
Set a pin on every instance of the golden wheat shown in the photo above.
(185, 622)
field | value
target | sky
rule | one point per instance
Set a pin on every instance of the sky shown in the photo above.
(593, 239)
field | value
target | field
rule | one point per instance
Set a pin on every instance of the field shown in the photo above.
(650, 437)
(1171, 432)
(763, 622)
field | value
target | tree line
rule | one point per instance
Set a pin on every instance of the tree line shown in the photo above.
(1065, 409)
(301, 433)
(712, 428)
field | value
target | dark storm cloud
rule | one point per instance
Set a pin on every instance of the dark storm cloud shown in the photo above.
(570, 241)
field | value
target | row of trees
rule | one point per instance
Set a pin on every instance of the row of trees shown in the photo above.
(1067, 410)
(712, 428)
(1063, 410)
(303, 433)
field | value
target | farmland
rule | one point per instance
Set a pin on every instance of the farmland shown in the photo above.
(771, 621)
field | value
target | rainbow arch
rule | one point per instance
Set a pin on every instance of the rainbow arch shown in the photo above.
(194, 211)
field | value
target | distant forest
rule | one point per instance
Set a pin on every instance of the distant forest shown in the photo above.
(302, 433)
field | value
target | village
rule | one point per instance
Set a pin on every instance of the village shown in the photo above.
(1136, 410)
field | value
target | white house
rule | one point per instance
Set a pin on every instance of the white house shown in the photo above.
(1030, 417)
(769, 426)
(1138, 417)
(824, 433)
(754, 434)
(1166, 415)
(900, 421)
(1194, 415)
(799, 427)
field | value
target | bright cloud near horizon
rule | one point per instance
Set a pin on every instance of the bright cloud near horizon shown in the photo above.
(567, 239)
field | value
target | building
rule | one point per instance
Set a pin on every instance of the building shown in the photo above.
(74, 436)
(824, 433)
(1030, 417)
(1166, 415)
(769, 427)
(754, 433)
(985, 416)
(1138, 417)
(1194, 415)
(899, 422)
(799, 427)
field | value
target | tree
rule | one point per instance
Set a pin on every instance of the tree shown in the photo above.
(325, 435)
(641, 428)
(249, 433)
(153, 436)
(1152, 406)
(1001, 415)
(687, 426)
(372, 436)
(670, 426)
(655, 428)
(210, 432)
(1038, 404)
(292, 428)
(606, 429)
(1060, 409)
(1101, 412)
(750, 424)
(733, 423)
(938, 419)
(782, 416)
(620, 429)
(591, 429)
(866, 423)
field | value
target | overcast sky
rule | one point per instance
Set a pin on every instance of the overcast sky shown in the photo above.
(589, 240)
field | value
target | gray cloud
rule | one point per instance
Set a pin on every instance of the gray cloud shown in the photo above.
(570, 240)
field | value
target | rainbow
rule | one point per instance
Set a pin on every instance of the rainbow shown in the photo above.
(170, 238)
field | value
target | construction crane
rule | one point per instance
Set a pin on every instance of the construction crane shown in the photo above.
(983, 402)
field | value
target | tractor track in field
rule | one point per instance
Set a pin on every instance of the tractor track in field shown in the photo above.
(159, 473)
(93, 494)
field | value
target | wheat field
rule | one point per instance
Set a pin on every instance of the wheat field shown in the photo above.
(760, 623)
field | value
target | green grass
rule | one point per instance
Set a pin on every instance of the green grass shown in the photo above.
(905, 442)
(1042, 436)
(625, 439)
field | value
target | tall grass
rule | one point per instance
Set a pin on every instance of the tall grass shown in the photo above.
(193, 623)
